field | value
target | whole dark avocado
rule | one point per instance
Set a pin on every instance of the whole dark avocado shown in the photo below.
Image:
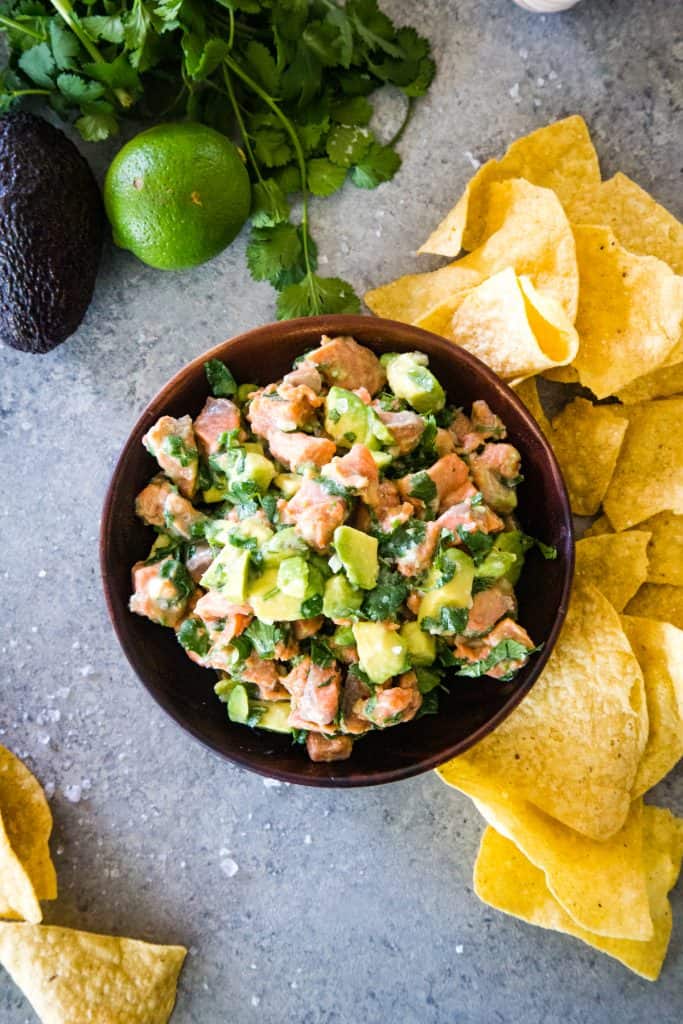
(51, 230)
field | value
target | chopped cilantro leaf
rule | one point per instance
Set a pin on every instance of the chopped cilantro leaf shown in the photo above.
(383, 602)
(193, 636)
(506, 650)
(450, 621)
(422, 486)
(221, 381)
(264, 636)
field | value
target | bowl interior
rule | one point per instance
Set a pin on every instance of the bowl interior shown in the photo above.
(473, 706)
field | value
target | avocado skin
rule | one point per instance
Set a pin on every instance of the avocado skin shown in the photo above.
(51, 230)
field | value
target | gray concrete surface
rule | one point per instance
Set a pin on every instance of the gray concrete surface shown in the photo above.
(350, 907)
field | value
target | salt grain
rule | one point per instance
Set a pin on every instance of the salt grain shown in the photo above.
(271, 783)
(73, 793)
(229, 867)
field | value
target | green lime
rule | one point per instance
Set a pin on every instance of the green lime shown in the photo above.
(176, 195)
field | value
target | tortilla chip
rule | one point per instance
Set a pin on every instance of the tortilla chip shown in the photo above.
(70, 977)
(17, 894)
(665, 550)
(527, 229)
(527, 392)
(572, 747)
(27, 821)
(586, 440)
(410, 297)
(615, 563)
(630, 310)
(639, 223)
(658, 646)
(648, 477)
(658, 601)
(601, 885)
(600, 527)
(559, 156)
(506, 880)
(562, 374)
(661, 383)
(513, 328)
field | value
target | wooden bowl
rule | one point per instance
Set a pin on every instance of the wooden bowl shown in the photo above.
(473, 707)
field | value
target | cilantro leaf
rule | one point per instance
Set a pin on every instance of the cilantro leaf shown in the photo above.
(262, 64)
(506, 650)
(355, 110)
(264, 637)
(378, 164)
(97, 124)
(109, 28)
(384, 601)
(64, 46)
(77, 90)
(39, 64)
(403, 538)
(320, 653)
(324, 177)
(316, 295)
(221, 380)
(269, 205)
(449, 621)
(348, 144)
(422, 486)
(272, 250)
(477, 543)
(193, 636)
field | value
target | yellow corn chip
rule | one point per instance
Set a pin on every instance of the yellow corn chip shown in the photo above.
(573, 745)
(615, 563)
(665, 550)
(600, 527)
(27, 824)
(601, 885)
(71, 977)
(661, 383)
(639, 223)
(586, 440)
(648, 477)
(658, 646)
(17, 895)
(658, 601)
(506, 880)
(513, 328)
(527, 391)
(559, 156)
(630, 309)
(527, 230)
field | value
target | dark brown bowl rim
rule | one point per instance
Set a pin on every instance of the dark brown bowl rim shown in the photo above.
(348, 324)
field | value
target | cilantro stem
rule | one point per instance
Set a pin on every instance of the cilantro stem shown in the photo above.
(301, 160)
(67, 13)
(17, 27)
(404, 124)
(240, 123)
(30, 92)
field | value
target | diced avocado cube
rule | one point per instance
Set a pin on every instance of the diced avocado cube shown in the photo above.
(421, 646)
(341, 600)
(357, 552)
(455, 594)
(284, 544)
(238, 705)
(269, 603)
(273, 715)
(512, 542)
(382, 651)
(256, 469)
(382, 459)
(410, 379)
(347, 419)
(343, 637)
(228, 573)
(293, 576)
(212, 495)
(496, 564)
(243, 392)
(288, 483)
(224, 687)
(253, 446)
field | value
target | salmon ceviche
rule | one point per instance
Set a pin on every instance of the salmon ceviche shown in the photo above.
(340, 545)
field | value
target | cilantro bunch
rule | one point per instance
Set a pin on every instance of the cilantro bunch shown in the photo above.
(291, 77)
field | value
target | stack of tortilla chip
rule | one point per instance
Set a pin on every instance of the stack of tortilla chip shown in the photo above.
(577, 279)
(68, 976)
(565, 274)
